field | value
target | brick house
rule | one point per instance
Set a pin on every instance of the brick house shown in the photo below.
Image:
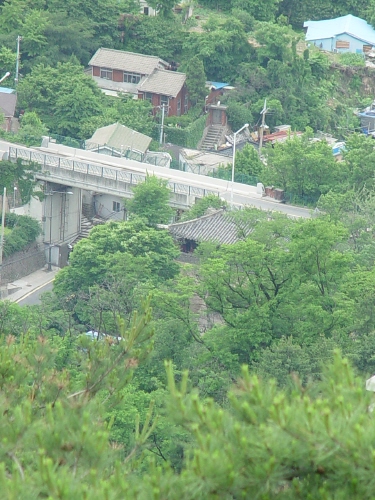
(119, 71)
(166, 88)
(143, 76)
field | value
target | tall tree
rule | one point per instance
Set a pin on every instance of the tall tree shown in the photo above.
(151, 201)
(65, 89)
(304, 168)
(115, 246)
(196, 80)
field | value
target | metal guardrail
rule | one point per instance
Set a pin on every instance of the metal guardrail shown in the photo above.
(116, 174)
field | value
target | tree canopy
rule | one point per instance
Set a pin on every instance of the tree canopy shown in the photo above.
(151, 201)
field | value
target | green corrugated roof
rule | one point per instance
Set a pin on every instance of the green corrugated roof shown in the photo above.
(119, 136)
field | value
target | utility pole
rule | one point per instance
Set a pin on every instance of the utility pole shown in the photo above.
(234, 159)
(162, 125)
(2, 236)
(19, 38)
(50, 234)
(261, 131)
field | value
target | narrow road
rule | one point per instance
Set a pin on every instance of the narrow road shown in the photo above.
(268, 205)
(33, 298)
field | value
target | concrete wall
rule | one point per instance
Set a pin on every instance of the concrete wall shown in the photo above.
(61, 218)
(22, 263)
(144, 5)
(329, 44)
(104, 206)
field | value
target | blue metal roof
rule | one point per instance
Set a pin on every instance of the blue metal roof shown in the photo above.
(5, 90)
(218, 85)
(352, 25)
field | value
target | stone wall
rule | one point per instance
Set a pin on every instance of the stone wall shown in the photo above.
(22, 263)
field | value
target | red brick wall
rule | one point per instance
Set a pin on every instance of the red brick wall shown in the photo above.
(117, 75)
(173, 102)
(156, 102)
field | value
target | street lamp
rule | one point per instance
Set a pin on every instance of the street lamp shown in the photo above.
(233, 159)
(5, 76)
(51, 193)
(14, 197)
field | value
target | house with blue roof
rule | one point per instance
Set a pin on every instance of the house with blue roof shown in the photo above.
(343, 34)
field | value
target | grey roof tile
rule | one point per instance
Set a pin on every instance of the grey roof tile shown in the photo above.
(126, 61)
(218, 227)
(163, 82)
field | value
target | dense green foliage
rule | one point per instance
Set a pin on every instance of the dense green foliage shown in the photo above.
(249, 44)
(151, 201)
(201, 206)
(22, 176)
(102, 418)
(24, 230)
(280, 300)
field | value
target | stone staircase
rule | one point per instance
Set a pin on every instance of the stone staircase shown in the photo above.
(213, 137)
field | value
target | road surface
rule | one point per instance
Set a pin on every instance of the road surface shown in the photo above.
(268, 205)
(242, 194)
(33, 298)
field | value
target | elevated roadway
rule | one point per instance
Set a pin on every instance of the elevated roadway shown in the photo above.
(109, 175)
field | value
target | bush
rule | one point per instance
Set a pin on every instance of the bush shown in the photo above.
(24, 230)
(187, 137)
(350, 59)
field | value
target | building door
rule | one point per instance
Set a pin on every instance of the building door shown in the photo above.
(216, 117)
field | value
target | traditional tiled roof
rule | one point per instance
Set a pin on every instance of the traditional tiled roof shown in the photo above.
(217, 226)
(163, 82)
(7, 104)
(118, 136)
(126, 61)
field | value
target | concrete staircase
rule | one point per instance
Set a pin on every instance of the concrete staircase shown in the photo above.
(86, 226)
(213, 137)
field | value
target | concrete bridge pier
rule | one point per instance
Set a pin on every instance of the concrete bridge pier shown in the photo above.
(61, 221)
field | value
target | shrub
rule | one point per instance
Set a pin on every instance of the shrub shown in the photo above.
(24, 230)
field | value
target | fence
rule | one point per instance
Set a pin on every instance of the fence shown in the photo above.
(226, 174)
(126, 179)
(160, 159)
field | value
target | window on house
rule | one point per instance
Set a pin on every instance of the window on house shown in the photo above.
(132, 77)
(116, 206)
(179, 107)
(106, 73)
(147, 96)
(164, 101)
(342, 44)
(186, 103)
